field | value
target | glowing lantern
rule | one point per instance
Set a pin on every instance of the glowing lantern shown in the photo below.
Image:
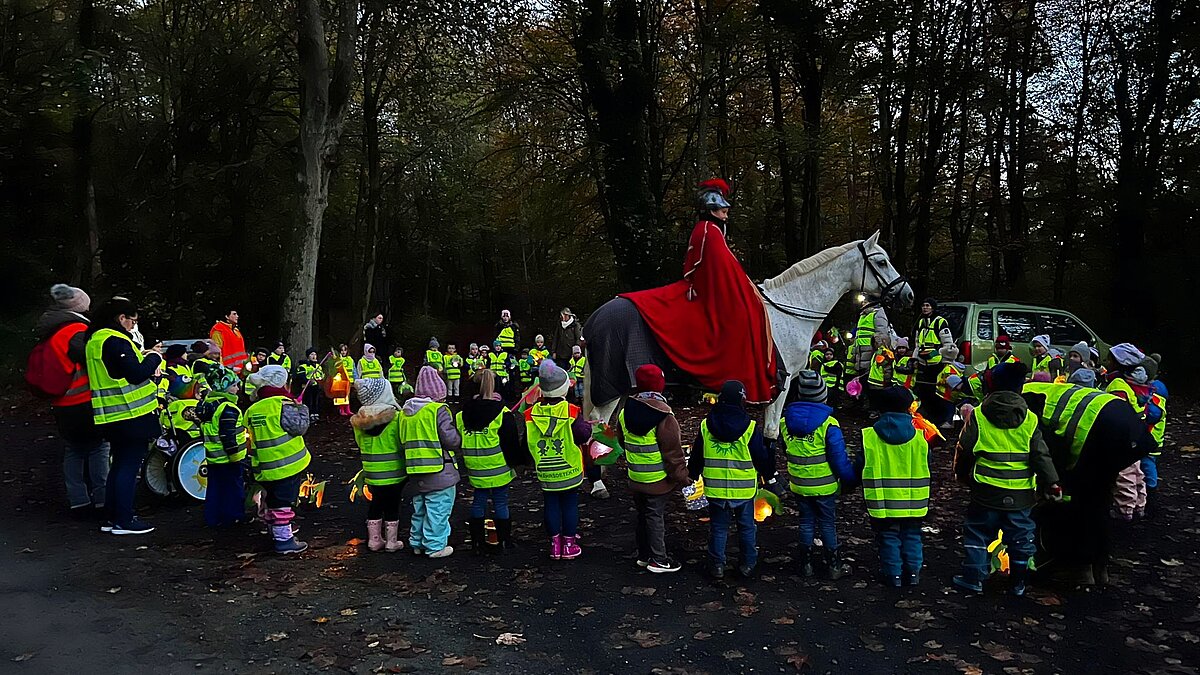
(312, 492)
(765, 504)
(854, 388)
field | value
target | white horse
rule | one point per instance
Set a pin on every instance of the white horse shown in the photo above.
(797, 301)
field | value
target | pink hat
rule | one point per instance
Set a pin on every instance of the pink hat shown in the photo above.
(430, 384)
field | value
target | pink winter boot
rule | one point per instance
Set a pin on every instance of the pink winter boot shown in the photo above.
(375, 535)
(571, 548)
(556, 547)
(391, 536)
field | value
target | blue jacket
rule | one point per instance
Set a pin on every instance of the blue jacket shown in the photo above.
(727, 422)
(802, 418)
(894, 429)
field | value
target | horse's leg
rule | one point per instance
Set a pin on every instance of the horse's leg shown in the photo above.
(775, 412)
(591, 411)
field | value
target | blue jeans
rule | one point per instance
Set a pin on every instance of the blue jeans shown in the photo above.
(499, 497)
(818, 513)
(579, 390)
(225, 498)
(85, 471)
(562, 512)
(1150, 471)
(430, 528)
(127, 454)
(722, 512)
(899, 543)
(979, 530)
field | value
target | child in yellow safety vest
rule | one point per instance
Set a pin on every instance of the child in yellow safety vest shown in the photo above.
(346, 372)
(377, 432)
(730, 455)
(526, 368)
(395, 373)
(555, 431)
(576, 366)
(430, 440)
(452, 366)
(1002, 457)
(894, 468)
(433, 355)
(491, 447)
(539, 350)
(223, 430)
(904, 368)
(279, 456)
(818, 469)
(1129, 381)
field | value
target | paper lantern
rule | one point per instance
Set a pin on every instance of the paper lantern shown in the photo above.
(854, 388)
(762, 510)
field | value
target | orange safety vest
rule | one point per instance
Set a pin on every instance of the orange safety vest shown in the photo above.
(78, 392)
(233, 347)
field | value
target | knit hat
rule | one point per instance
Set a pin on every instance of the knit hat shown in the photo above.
(649, 377)
(214, 349)
(954, 381)
(1006, 377)
(270, 376)
(539, 338)
(949, 352)
(374, 391)
(732, 391)
(901, 342)
(1084, 377)
(553, 380)
(808, 386)
(221, 378)
(310, 351)
(576, 350)
(1138, 375)
(474, 345)
(430, 384)
(1042, 376)
(200, 347)
(1004, 341)
(1126, 354)
(70, 298)
(279, 343)
(1082, 349)
(893, 400)
(1043, 340)
(1151, 367)
(433, 343)
(175, 352)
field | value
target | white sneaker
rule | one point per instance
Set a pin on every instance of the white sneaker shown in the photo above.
(599, 491)
(444, 553)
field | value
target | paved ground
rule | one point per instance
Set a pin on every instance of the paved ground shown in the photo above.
(187, 600)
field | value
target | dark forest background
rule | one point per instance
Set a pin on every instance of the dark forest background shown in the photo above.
(440, 160)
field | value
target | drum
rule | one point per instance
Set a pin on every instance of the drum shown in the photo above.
(189, 470)
(158, 468)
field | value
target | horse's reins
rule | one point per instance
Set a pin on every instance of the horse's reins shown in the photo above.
(888, 288)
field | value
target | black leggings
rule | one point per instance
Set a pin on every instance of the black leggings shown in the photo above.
(385, 502)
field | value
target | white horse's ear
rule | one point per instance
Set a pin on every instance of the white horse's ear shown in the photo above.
(873, 240)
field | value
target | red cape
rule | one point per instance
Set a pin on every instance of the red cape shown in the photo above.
(713, 324)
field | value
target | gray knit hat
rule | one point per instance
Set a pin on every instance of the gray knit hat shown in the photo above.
(70, 298)
(553, 380)
(1084, 377)
(374, 391)
(270, 376)
(808, 386)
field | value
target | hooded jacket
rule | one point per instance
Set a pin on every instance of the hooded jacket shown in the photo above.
(375, 421)
(75, 423)
(894, 429)
(650, 411)
(802, 418)
(451, 442)
(727, 422)
(228, 423)
(477, 413)
(1005, 410)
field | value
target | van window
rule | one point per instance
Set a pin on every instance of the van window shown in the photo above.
(956, 316)
(983, 329)
(1062, 329)
(1018, 325)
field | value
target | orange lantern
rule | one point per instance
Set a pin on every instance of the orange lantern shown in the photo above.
(762, 510)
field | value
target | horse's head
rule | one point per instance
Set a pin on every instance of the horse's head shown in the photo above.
(881, 278)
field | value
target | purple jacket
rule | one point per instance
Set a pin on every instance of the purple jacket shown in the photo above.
(451, 442)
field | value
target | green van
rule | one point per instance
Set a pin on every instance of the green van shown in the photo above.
(976, 325)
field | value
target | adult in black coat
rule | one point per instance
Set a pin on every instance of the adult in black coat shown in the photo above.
(375, 333)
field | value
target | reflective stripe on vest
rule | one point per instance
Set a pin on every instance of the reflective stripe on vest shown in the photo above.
(482, 454)
(943, 381)
(642, 455)
(1002, 455)
(370, 368)
(576, 367)
(498, 363)
(558, 460)
(395, 373)
(910, 379)
(895, 477)
(214, 449)
(507, 337)
(1159, 430)
(419, 438)
(276, 453)
(453, 364)
(382, 458)
(927, 332)
(1119, 385)
(809, 472)
(728, 470)
(116, 399)
(1070, 411)
(875, 374)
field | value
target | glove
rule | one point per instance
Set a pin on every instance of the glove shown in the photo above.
(1055, 493)
(778, 487)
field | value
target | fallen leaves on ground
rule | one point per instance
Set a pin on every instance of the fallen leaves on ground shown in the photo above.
(783, 621)
(275, 637)
(647, 639)
(733, 654)
(584, 611)
(510, 639)
(799, 661)
(638, 590)
(468, 662)
(23, 657)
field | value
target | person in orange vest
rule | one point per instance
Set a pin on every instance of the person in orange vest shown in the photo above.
(228, 337)
(63, 327)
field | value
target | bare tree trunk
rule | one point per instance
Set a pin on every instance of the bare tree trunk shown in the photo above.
(791, 235)
(88, 269)
(324, 98)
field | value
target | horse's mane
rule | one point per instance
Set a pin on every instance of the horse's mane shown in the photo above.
(808, 264)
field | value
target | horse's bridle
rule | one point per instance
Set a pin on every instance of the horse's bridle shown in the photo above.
(888, 289)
